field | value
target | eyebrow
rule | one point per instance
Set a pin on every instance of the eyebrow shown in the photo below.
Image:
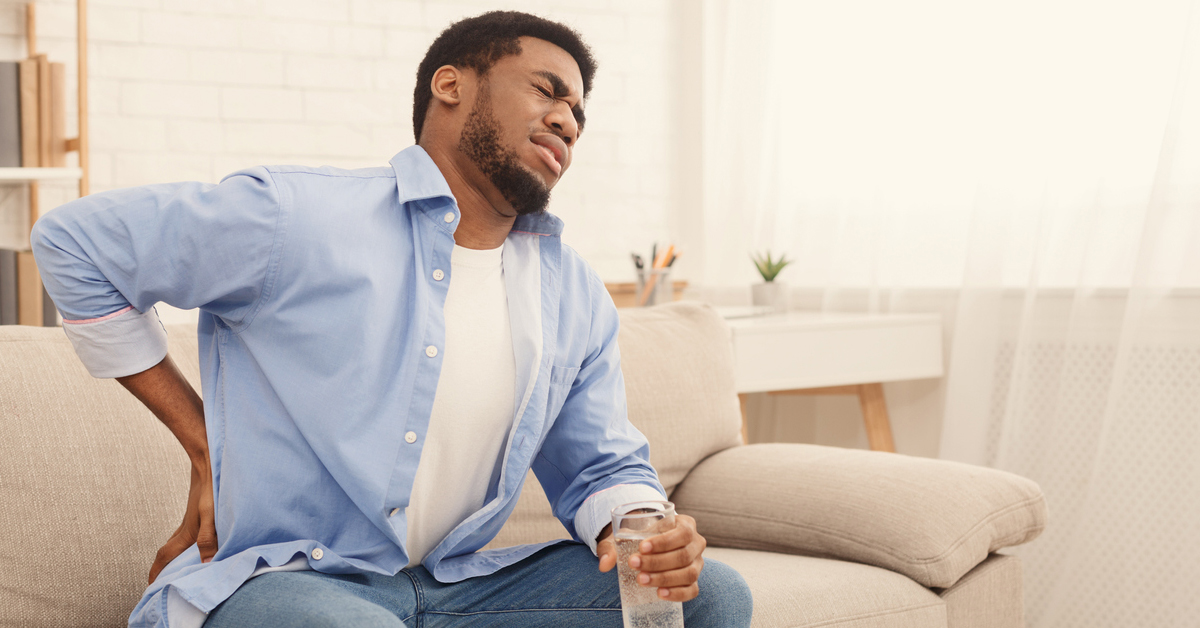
(562, 91)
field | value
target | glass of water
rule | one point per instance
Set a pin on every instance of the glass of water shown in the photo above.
(640, 605)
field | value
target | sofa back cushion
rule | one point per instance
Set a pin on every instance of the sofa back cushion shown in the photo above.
(677, 360)
(91, 484)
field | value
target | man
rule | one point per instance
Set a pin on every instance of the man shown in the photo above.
(385, 353)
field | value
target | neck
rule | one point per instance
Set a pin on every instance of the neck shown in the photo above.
(486, 217)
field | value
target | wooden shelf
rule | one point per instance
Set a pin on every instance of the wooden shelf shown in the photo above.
(41, 174)
(625, 294)
(35, 307)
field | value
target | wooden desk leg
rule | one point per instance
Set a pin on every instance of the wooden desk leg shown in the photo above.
(742, 403)
(875, 416)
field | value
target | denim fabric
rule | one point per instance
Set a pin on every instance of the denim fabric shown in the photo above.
(558, 587)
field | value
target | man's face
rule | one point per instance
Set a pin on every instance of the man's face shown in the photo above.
(525, 121)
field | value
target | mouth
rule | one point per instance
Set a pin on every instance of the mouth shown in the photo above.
(552, 150)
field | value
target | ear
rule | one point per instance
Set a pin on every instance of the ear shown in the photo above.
(447, 85)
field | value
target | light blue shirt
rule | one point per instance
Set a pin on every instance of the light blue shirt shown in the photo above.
(321, 336)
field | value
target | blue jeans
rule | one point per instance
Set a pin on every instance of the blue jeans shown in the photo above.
(560, 586)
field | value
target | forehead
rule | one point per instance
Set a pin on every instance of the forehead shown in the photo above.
(539, 55)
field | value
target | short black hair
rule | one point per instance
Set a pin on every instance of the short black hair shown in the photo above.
(479, 42)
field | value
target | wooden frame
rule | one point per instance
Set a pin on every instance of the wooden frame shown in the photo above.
(53, 148)
(77, 144)
(870, 399)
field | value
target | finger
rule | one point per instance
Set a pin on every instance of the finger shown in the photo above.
(608, 555)
(206, 536)
(675, 559)
(673, 539)
(206, 542)
(679, 594)
(167, 553)
(674, 578)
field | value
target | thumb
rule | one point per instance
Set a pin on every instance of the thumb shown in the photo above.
(206, 536)
(607, 552)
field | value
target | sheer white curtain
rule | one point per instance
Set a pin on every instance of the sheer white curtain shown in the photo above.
(1032, 171)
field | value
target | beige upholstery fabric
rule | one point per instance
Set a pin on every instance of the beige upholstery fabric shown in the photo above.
(678, 368)
(84, 469)
(930, 520)
(531, 521)
(990, 596)
(799, 591)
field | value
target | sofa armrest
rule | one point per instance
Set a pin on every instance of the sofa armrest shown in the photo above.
(931, 520)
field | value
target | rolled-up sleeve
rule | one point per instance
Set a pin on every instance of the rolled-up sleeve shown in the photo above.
(593, 458)
(596, 511)
(108, 258)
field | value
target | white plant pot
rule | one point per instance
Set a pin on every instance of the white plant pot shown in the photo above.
(772, 294)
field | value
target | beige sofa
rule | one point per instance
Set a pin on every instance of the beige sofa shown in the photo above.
(91, 484)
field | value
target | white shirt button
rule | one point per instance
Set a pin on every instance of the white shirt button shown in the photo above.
(431, 351)
(438, 275)
(394, 512)
(449, 217)
(410, 437)
(317, 553)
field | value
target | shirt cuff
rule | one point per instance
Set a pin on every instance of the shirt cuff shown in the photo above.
(596, 511)
(122, 343)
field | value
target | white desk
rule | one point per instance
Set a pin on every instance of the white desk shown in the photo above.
(808, 353)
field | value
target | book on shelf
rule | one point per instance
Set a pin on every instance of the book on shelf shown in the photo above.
(10, 115)
(34, 305)
(43, 110)
(49, 310)
(8, 287)
(29, 290)
(30, 144)
(33, 97)
(57, 108)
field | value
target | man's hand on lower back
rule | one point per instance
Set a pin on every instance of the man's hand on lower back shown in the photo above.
(671, 561)
(163, 389)
(198, 525)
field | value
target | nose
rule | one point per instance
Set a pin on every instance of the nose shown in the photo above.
(563, 121)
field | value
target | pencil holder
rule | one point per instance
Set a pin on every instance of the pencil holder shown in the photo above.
(654, 286)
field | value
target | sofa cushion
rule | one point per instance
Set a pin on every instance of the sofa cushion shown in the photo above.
(800, 591)
(91, 484)
(931, 520)
(678, 365)
(532, 521)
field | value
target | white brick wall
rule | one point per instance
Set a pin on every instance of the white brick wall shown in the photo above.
(187, 89)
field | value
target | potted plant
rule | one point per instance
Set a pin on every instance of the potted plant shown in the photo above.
(770, 292)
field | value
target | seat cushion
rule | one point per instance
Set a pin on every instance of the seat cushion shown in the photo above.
(801, 591)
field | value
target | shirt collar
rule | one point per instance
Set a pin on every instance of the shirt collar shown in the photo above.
(542, 223)
(418, 177)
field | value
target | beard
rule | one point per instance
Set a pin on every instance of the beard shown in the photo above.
(480, 142)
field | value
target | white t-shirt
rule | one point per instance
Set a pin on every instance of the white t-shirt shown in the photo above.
(473, 406)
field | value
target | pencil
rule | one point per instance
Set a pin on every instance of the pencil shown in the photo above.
(659, 264)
